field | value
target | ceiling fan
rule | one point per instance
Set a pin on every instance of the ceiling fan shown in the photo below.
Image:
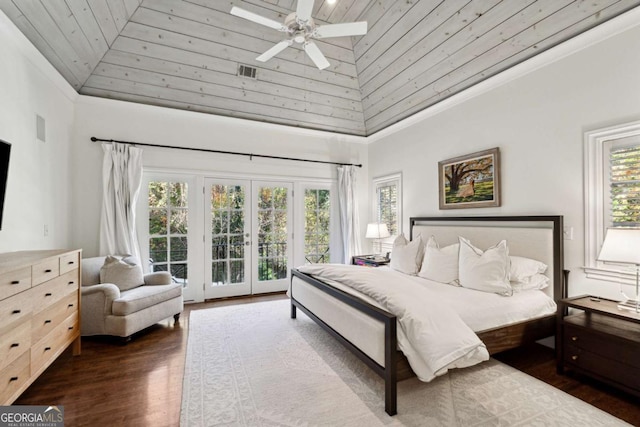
(301, 28)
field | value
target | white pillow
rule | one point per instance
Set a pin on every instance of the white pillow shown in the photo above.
(522, 268)
(440, 264)
(486, 271)
(406, 256)
(535, 282)
(124, 273)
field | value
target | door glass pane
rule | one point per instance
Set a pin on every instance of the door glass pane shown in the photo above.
(272, 233)
(227, 234)
(168, 227)
(316, 225)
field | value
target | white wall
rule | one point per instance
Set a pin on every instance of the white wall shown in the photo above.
(538, 121)
(39, 183)
(109, 119)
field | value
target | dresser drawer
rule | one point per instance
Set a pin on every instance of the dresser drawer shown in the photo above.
(54, 290)
(604, 367)
(13, 377)
(14, 282)
(69, 262)
(15, 309)
(47, 320)
(49, 347)
(45, 270)
(608, 346)
(14, 343)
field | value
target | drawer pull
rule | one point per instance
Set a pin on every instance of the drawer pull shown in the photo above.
(47, 348)
(15, 344)
(70, 328)
(71, 283)
(70, 305)
(71, 262)
(15, 282)
(47, 321)
(48, 294)
(48, 270)
(16, 311)
(13, 379)
(574, 338)
(574, 357)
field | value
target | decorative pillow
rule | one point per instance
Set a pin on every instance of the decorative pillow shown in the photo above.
(486, 271)
(125, 273)
(406, 256)
(522, 268)
(440, 264)
(535, 282)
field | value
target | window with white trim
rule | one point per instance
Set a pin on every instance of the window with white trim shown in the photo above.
(387, 196)
(612, 193)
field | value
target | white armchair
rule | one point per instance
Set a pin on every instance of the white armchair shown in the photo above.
(107, 310)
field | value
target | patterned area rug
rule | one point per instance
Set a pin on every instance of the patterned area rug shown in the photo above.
(251, 365)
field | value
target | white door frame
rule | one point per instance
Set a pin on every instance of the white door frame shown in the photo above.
(226, 290)
(194, 292)
(258, 287)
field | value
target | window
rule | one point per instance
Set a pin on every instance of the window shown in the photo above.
(317, 211)
(168, 227)
(612, 192)
(388, 206)
(624, 183)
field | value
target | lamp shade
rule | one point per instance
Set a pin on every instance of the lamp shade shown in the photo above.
(621, 245)
(377, 230)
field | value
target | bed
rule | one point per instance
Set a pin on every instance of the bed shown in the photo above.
(371, 332)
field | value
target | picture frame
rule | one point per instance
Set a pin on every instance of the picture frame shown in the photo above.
(470, 181)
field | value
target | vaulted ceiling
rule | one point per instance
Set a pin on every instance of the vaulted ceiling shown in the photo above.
(186, 53)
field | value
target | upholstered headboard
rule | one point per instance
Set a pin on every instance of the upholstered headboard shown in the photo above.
(537, 237)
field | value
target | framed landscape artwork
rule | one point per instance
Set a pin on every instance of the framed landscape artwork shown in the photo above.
(470, 181)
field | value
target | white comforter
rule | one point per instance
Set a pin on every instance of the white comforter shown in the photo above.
(437, 339)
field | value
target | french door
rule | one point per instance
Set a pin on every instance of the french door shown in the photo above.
(248, 236)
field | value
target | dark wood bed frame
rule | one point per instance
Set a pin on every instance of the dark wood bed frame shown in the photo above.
(396, 367)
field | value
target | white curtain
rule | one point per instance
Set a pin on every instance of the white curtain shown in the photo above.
(121, 179)
(349, 223)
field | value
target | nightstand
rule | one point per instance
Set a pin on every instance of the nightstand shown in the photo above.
(369, 260)
(599, 340)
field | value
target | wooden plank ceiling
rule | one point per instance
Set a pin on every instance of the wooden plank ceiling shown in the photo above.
(185, 54)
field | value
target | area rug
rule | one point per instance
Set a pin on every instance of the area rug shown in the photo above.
(251, 365)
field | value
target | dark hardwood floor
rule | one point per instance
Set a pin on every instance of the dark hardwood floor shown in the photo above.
(140, 383)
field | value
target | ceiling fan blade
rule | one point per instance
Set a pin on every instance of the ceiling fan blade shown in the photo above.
(274, 51)
(341, 30)
(304, 9)
(316, 56)
(258, 19)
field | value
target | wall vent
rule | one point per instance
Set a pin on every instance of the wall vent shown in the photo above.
(41, 128)
(247, 71)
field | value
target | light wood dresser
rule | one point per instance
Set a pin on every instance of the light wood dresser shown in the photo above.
(39, 314)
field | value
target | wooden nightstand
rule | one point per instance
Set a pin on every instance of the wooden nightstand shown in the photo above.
(369, 260)
(599, 340)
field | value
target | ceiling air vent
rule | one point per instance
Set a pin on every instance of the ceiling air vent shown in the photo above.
(247, 71)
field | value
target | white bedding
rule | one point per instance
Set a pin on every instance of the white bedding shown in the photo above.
(432, 335)
(479, 310)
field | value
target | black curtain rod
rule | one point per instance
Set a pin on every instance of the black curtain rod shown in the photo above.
(235, 153)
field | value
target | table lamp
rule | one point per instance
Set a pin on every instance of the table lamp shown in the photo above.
(377, 231)
(622, 245)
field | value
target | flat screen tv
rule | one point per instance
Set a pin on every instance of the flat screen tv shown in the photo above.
(5, 151)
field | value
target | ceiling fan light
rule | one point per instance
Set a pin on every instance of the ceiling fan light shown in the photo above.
(299, 38)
